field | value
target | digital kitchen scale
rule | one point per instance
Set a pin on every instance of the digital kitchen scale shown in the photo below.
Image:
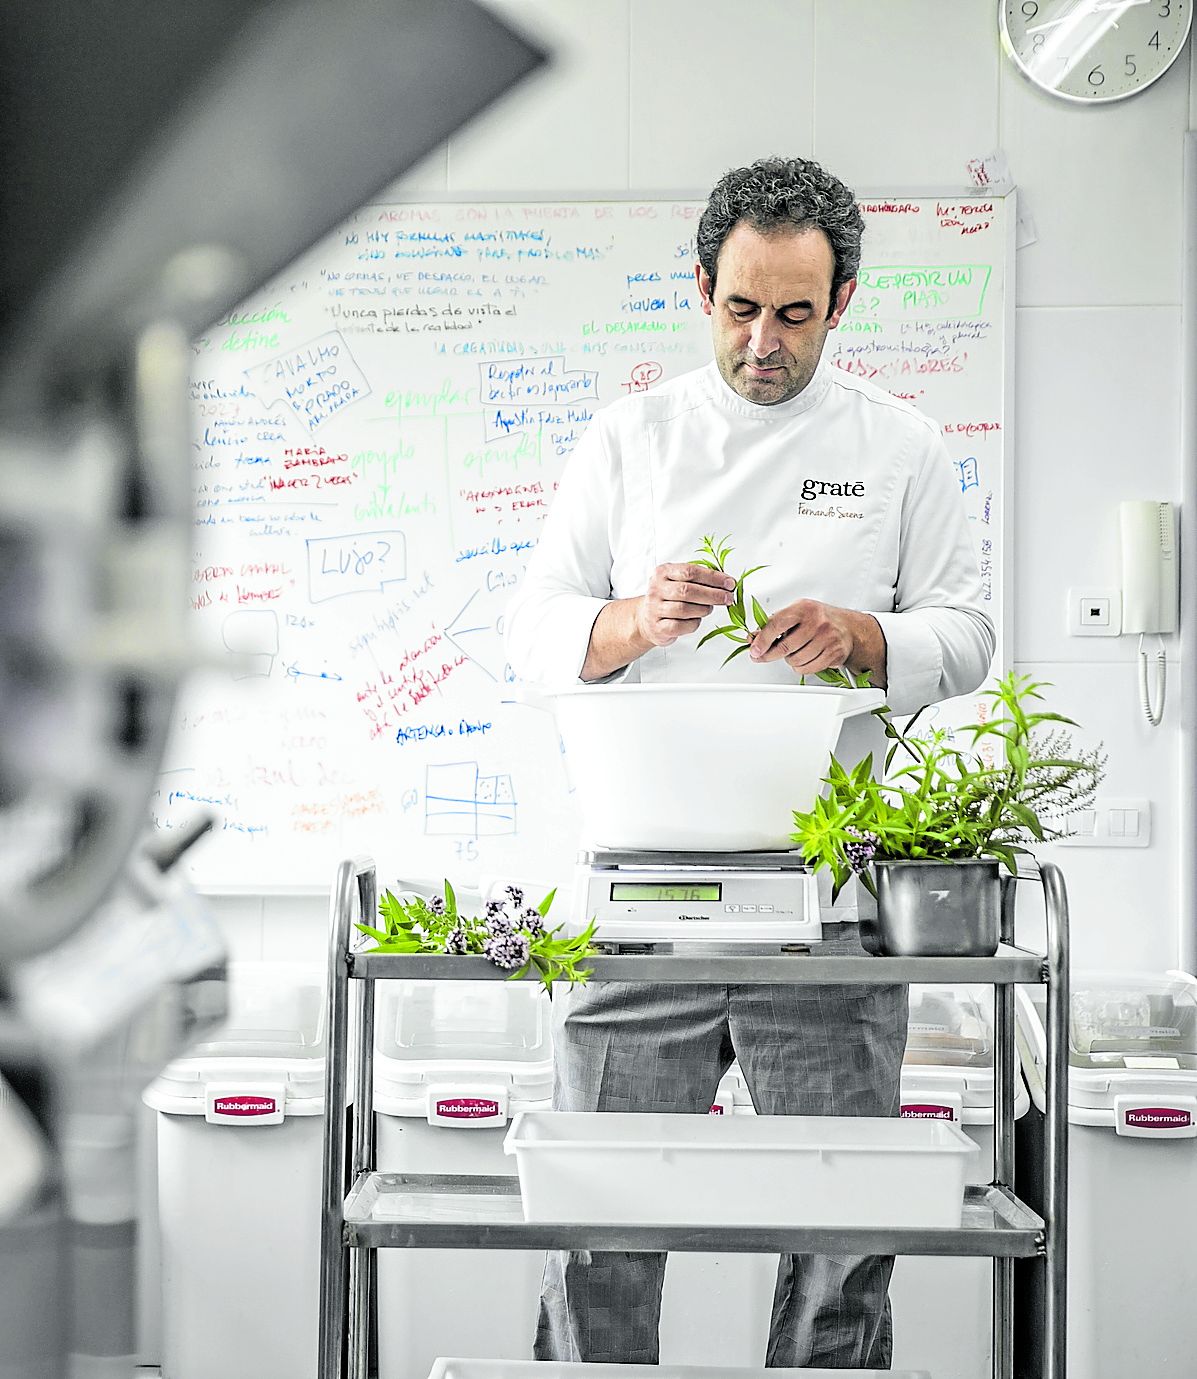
(720, 897)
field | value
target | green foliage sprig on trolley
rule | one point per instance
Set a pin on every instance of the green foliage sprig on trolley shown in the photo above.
(510, 933)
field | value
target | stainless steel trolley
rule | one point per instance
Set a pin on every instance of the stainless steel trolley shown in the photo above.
(994, 1221)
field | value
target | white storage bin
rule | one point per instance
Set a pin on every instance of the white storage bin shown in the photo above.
(547, 1369)
(240, 1147)
(1132, 1168)
(452, 1062)
(947, 1072)
(633, 1167)
(942, 1308)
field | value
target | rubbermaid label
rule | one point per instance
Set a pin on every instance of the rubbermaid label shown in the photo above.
(245, 1104)
(716, 1109)
(925, 1111)
(467, 1108)
(1158, 1118)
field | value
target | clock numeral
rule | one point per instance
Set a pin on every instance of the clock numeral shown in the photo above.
(1166, 11)
(1154, 40)
(1130, 69)
(1029, 9)
(1096, 76)
(1037, 42)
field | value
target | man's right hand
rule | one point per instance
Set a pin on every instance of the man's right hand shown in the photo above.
(677, 600)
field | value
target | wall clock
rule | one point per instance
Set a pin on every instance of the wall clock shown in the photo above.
(1094, 50)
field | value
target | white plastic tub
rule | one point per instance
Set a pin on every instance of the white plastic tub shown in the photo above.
(1132, 1168)
(770, 743)
(634, 1167)
(942, 1308)
(240, 1145)
(453, 1061)
(548, 1369)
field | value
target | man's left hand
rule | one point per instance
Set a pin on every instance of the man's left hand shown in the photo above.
(811, 636)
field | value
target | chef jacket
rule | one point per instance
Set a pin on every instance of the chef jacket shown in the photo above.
(844, 494)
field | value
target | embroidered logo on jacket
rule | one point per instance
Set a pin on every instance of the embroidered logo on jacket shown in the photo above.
(820, 488)
(824, 488)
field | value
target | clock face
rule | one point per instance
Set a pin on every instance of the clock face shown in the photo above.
(1094, 50)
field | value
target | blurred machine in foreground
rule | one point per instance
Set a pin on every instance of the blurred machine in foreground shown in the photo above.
(160, 160)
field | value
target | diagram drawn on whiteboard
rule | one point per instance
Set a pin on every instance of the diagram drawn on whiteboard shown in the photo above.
(460, 801)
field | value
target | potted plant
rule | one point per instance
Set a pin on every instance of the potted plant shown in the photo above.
(928, 839)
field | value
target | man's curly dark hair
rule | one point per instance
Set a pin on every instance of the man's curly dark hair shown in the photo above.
(776, 193)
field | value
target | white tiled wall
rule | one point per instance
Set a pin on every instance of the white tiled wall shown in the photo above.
(663, 95)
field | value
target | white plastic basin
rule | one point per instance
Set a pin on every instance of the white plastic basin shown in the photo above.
(553, 1369)
(646, 1168)
(699, 768)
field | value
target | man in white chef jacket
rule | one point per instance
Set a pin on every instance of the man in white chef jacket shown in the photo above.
(848, 497)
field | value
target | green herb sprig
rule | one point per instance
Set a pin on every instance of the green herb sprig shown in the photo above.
(511, 934)
(711, 555)
(945, 804)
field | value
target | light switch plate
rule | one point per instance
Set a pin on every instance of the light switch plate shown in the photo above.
(1094, 612)
(1111, 823)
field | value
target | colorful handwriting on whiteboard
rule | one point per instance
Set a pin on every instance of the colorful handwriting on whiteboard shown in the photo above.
(359, 563)
(459, 800)
(476, 629)
(314, 382)
(917, 289)
(969, 476)
(642, 377)
(523, 394)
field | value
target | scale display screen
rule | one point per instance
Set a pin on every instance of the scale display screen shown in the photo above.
(665, 891)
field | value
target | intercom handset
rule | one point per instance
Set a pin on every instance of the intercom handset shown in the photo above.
(1150, 586)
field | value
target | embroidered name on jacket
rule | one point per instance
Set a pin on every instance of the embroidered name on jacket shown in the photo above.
(823, 488)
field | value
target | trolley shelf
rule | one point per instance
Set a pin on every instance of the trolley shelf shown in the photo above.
(715, 962)
(425, 1211)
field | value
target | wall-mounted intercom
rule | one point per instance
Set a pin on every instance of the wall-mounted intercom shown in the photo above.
(1150, 587)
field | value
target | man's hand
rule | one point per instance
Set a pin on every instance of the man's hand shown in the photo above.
(811, 636)
(677, 600)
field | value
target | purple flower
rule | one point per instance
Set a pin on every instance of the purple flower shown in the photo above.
(515, 894)
(497, 926)
(859, 854)
(437, 905)
(508, 950)
(494, 909)
(530, 919)
(455, 940)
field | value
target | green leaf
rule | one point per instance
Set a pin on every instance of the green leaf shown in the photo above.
(759, 613)
(739, 651)
(720, 632)
(543, 908)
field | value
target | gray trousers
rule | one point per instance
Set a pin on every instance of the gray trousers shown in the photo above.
(803, 1050)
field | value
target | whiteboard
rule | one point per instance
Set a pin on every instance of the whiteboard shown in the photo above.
(377, 438)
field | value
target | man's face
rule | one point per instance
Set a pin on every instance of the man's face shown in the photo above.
(768, 309)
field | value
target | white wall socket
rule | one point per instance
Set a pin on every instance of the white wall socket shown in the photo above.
(1111, 823)
(1094, 612)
